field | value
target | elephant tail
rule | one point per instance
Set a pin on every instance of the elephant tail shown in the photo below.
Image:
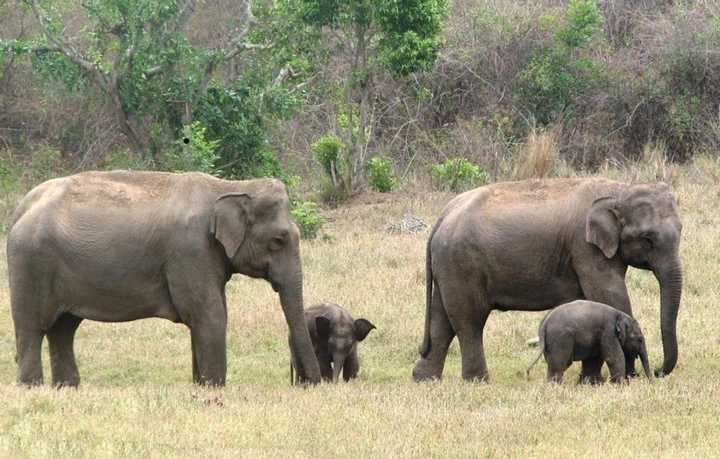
(426, 344)
(292, 378)
(541, 346)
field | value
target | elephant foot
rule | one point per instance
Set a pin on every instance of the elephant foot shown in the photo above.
(591, 380)
(485, 378)
(424, 371)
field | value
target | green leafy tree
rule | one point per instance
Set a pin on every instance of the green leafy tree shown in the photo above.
(138, 54)
(400, 36)
(556, 77)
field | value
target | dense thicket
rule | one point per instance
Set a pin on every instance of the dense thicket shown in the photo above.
(605, 79)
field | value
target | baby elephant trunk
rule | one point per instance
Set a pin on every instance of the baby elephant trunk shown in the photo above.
(338, 362)
(644, 360)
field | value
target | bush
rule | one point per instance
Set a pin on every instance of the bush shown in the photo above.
(327, 152)
(459, 174)
(381, 174)
(125, 160)
(308, 217)
(193, 152)
(555, 78)
(45, 164)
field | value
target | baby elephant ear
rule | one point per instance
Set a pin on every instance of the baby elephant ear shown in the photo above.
(323, 326)
(362, 328)
(622, 327)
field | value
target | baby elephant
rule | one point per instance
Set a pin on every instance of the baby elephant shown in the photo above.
(594, 333)
(334, 334)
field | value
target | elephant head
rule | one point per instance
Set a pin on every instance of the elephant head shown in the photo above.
(632, 341)
(260, 240)
(341, 338)
(641, 225)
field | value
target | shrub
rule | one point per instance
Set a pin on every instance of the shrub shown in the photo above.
(193, 152)
(126, 160)
(308, 217)
(459, 174)
(555, 78)
(45, 164)
(381, 174)
(327, 151)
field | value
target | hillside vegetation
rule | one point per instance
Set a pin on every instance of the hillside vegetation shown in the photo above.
(604, 79)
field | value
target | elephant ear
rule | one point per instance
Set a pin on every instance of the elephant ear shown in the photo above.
(602, 227)
(622, 328)
(323, 326)
(362, 328)
(230, 220)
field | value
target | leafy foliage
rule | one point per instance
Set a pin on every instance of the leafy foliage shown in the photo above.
(556, 77)
(400, 36)
(327, 151)
(381, 174)
(194, 152)
(309, 218)
(459, 174)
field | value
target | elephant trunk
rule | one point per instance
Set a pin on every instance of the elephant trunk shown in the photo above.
(291, 299)
(338, 362)
(645, 362)
(671, 281)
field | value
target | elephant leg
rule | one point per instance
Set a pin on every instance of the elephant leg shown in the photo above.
(196, 372)
(62, 356)
(352, 365)
(468, 315)
(32, 314)
(210, 352)
(441, 335)
(200, 304)
(28, 344)
(614, 356)
(591, 371)
(555, 375)
(326, 370)
(558, 355)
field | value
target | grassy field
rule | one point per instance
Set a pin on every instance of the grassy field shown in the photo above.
(136, 397)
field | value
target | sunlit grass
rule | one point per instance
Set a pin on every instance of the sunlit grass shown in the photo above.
(136, 397)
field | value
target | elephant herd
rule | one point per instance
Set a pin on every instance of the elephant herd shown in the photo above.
(119, 246)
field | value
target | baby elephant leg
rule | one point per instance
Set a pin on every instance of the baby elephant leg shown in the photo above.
(558, 355)
(557, 363)
(615, 357)
(351, 366)
(591, 369)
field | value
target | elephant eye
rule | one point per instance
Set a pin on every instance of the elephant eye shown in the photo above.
(277, 243)
(648, 237)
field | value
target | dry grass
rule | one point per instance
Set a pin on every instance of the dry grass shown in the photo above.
(136, 397)
(538, 156)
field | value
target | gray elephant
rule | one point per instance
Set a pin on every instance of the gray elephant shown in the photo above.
(592, 333)
(120, 246)
(535, 244)
(334, 334)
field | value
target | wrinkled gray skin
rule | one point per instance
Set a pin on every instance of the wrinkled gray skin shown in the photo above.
(119, 246)
(533, 245)
(335, 336)
(592, 333)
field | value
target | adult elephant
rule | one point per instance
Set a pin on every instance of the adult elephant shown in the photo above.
(535, 244)
(119, 246)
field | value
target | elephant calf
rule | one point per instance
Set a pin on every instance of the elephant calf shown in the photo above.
(334, 335)
(593, 333)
